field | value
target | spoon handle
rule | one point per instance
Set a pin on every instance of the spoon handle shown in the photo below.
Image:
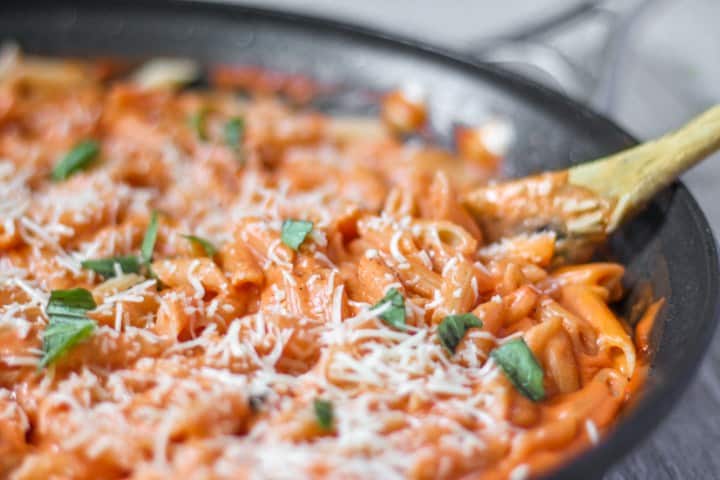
(632, 177)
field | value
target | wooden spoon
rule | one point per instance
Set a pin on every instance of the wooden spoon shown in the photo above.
(587, 202)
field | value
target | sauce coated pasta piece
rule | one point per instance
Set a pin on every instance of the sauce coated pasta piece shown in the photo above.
(612, 337)
(242, 267)
(201, 274)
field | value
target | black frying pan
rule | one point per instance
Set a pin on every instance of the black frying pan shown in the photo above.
(669, 248)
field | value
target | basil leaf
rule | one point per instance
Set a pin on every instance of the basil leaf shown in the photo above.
(395, 314)
(294, 232)
(323, 413)
(70, 303)
(76, 159)
(106, 266)
(148, 243)
(234, 131)
(209, 248)
(63, 333)
(68, 324)
(452, 329)
(522, 369)
(197, 123)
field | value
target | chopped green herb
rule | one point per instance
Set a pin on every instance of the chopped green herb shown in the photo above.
(61, 334)
(294, 232)
(522, 369)
(79, 158)
(452, 329)
(68, 324)
(209, 248)
(395, 314)
(148, 243)
(197, 123)
(234, 131)
(70, 303)
(106, 266)
(323, 413)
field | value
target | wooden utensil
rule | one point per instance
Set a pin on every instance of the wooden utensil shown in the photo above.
(585, 203)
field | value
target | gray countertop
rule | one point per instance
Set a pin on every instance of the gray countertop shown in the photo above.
(669, 73)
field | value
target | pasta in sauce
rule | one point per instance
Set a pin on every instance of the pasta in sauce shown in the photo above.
(310, 299)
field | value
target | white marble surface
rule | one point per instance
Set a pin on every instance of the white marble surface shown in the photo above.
(671, 71)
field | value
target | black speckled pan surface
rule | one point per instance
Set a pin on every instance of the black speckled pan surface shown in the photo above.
(670, 247)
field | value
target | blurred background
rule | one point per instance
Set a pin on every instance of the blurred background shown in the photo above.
(648, 64)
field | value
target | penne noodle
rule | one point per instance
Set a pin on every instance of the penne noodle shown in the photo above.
(612, 337)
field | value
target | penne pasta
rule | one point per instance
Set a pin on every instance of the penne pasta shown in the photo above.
(612, 337)
(200, 274)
